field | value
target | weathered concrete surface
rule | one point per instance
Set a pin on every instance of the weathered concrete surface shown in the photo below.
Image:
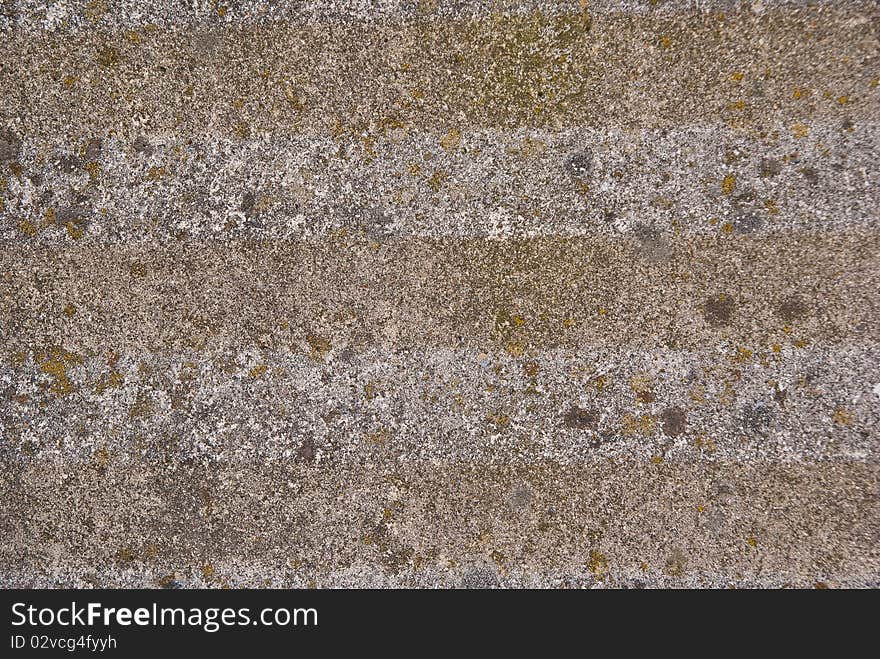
(440, 294)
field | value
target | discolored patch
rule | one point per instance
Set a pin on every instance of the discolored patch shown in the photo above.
(811, 175)
(168, 582)
(10, 146)
(652, 245)
(107, 56)
(69, 164)
(248, 199)
(746, 222)
(320, 345)
(520, 497)
(718, 311)
(643, 387)
(598, 564)
(142, 145)
(779, 394)
(676, 563)
(757, 416)
(843, 417)
(642, 425)
(306, 450)
(92, 150)
(769, 168)
(479, 578)
(728, 184)
(580, 165)
(673, 420)
(792, 308)
(581, 419)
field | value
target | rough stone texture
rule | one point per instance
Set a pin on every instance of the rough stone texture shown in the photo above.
(430, 293)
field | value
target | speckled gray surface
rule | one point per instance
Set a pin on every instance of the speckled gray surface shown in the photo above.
(439, 294)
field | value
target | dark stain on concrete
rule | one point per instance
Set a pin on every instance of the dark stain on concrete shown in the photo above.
(673, 421)
(581, 419)
(718, 310)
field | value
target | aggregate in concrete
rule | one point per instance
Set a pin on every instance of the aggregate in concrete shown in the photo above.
(439, 294)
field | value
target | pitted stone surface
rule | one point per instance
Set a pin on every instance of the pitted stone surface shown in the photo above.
(439, 294)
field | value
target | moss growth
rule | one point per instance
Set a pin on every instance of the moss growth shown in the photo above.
(320, 345)
(598, 564)
(451, 140)
(843, 417)
(632, 425)
(113, 380)
(728, 185)
(55, 362)
(436, 181)
(108, 56)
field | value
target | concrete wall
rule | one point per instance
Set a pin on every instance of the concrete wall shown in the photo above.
(428, 293)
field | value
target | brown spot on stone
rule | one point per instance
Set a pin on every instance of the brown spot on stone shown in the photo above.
(631, 425)
(10, 145)
(674, 421)
(728, 185)
(792, 308)
(811, 175)
(92, 149)
(142, 145)
(520, 497)
(770, 168)
(779, 395)
(143, 407)
(306, 450)
(581, 419)
(248, 200)
(643, 387)
(125, 555)
(719, 310)
(320, 345)
(597, 564)
(531, 368)
(108, 56)
(843, 417)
